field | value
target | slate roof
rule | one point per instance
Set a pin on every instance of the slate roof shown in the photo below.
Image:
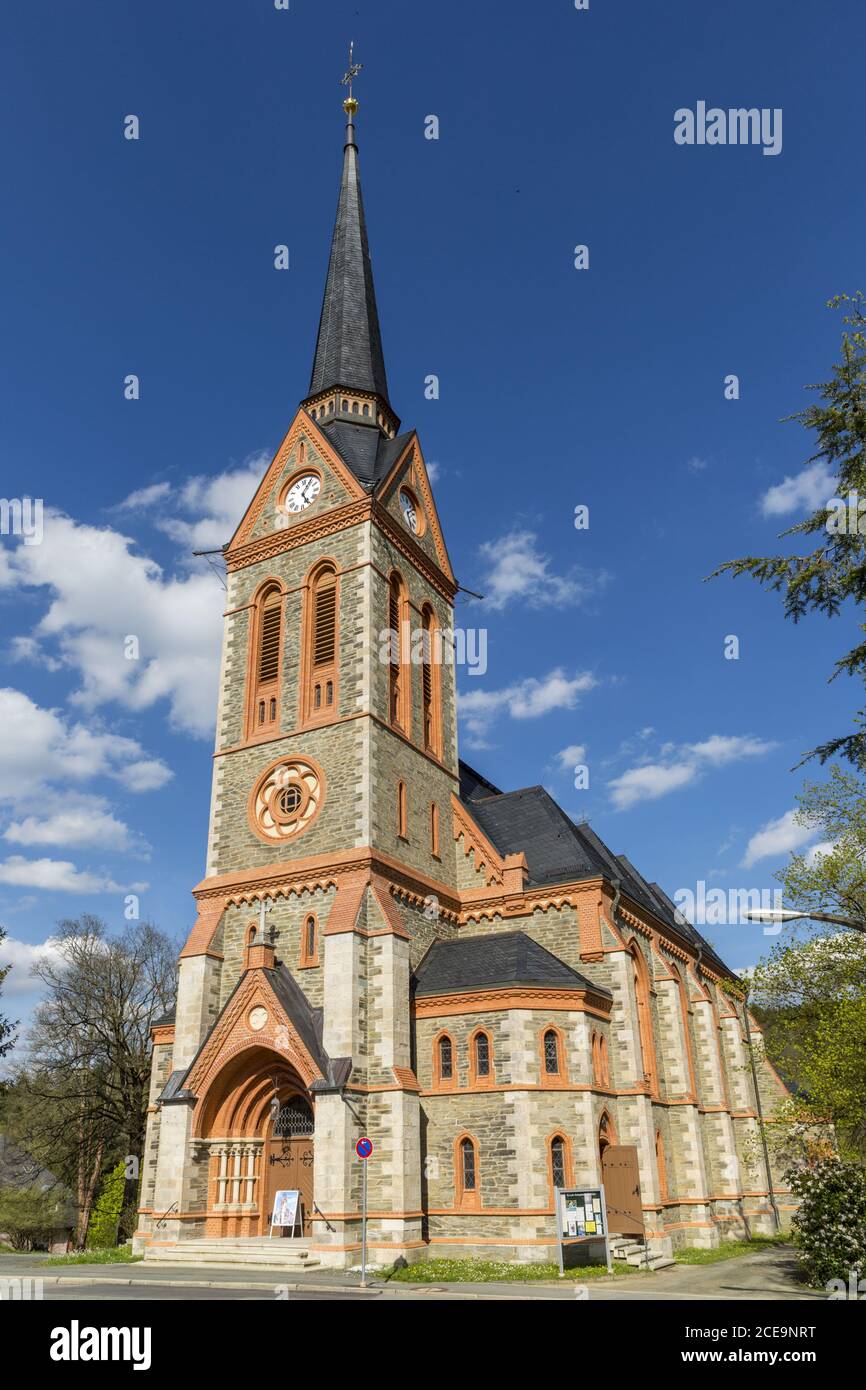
(494, 961)
(349, 343)
(558, 851)
(164, 1019)
(369, 454)
(307, 1022)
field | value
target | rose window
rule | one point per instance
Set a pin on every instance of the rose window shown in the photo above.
(286, 799)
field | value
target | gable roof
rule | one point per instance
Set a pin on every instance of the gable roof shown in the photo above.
(305, 1020)
(558, 851)
(493, 961)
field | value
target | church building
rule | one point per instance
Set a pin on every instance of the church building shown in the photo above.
(387, 944)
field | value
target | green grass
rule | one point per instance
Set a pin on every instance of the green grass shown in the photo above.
(493, 1271)
(120, 1255)
(729, 1250)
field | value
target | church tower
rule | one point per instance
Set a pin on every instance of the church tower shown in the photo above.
(334, 773)
(387, 944)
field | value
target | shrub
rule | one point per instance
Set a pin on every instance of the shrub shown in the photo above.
(830, 1224)
(102, 1229)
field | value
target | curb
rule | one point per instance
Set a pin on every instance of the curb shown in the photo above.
(387, 1291)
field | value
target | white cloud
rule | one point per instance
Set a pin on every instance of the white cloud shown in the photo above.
(816, 852)
(143, 498)
(23, 956)
(679, 764)
(776, 838)
(58, 876)
(80, 824)
(102, 592)
(526, 699)
(717, 750)
(214, 506)
(38, 747)
(517, 569)
(569, 757)
(696, 465)
(650, 782)
(809, 490)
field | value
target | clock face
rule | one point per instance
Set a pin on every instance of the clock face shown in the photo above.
(302, 493)
(409, 508)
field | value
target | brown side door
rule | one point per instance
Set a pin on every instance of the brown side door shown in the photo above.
(621, 1178)
(289, 1164)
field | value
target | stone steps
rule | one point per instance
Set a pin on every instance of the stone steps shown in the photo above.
(256, 1252)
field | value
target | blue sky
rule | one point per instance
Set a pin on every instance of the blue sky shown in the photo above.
(558, 387)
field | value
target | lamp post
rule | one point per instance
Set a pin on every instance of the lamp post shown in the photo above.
(790, 914)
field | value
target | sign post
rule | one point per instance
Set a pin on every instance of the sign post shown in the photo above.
(363, 1149)
(581, 1217)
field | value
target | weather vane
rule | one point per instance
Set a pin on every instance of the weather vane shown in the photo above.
(350, 105)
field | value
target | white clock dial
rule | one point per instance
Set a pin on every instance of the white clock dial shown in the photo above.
(409, 511)
(302, 493)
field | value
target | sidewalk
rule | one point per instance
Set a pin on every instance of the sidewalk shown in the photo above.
(768, 1275)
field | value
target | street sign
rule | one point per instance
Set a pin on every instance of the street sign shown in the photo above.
(363, 1149)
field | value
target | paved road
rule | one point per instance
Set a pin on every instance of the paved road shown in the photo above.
(768, 1275)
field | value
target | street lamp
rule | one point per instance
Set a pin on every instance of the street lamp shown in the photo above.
(788, 914)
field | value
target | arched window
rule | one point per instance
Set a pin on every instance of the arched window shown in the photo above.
(443, 1061)
(434, 829)
(687, 1037)
(552, 1057)
(466, 1172)
(559, 1162)
(431, 683)
(309, 941)
(646, 1048)
(321, 644)
(606, 1133)
(402, 812)
(661, 1167)
(265, 661)
(399, 688)
(596, 1061)
(603, 1061)
(480, 1059)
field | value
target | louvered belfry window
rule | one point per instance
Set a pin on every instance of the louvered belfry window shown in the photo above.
(266, 671)
(430, 678)
(395, 675)
(322, 649)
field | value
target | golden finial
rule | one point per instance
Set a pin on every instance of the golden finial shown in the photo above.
(350, 105)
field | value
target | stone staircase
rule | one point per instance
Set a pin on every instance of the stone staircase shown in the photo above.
(633, 1250)
(245, 1252)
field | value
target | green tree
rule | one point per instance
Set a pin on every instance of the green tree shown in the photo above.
(30, 1215)
(7, 1029)
(811, 999)
(834, 878)
(823, 579)
(79, 1101)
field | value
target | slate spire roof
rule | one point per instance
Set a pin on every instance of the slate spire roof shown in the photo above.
(349, 344)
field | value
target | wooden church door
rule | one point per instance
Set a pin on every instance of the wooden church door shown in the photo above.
(288, 1161)
(621, 1178)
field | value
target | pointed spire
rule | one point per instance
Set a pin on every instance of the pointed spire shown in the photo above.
(349, 344)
